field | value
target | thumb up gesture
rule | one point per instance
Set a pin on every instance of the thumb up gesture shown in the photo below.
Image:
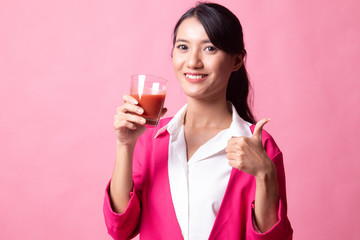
(248, 154)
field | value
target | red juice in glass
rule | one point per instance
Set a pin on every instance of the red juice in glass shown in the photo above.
(150, 92)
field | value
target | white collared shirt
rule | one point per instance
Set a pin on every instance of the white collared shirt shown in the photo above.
(198, 186)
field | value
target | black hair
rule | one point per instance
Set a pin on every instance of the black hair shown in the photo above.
(225, 32)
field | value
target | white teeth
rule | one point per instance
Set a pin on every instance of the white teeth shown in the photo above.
(195, 76)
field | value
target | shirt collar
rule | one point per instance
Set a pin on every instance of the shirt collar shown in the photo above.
(174, 125)
(238, 127)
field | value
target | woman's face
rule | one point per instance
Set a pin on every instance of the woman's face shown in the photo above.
(203, 70)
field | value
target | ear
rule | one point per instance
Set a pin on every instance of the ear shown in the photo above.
(239, 61)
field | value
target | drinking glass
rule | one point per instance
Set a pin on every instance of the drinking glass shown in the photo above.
(150, 92)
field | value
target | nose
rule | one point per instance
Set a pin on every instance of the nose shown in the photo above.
(194, 60)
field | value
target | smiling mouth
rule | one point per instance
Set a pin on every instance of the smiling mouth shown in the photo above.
(195, 76)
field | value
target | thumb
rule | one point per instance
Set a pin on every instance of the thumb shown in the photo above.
(164, 111)
(258, 127)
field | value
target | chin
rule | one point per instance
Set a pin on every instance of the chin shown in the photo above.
(197, 95)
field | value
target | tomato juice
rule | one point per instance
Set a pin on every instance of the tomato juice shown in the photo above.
(152, 105)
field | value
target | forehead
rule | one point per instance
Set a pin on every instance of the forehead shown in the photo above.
(191, 29)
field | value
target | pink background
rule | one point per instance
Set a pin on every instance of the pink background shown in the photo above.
(64, 66)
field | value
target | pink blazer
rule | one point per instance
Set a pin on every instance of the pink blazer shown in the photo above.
(151, 211)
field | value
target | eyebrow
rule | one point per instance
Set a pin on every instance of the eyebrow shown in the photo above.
(186, 41)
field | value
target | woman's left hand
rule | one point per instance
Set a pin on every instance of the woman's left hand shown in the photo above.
(248, 154)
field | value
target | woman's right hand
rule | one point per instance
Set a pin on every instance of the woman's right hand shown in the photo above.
(128, 123)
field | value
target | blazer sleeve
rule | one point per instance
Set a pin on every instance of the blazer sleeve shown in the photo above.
(282, 230)
(125, 225)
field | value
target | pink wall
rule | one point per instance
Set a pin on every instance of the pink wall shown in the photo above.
(64, 66)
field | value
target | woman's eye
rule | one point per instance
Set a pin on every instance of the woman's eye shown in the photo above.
(182, 47)
(210, 49)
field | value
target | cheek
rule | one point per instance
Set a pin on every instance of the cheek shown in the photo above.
(177, 66)
(174, 62)
(224, 68)
(177, 62)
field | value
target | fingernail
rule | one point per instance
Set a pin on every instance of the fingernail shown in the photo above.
(140, 110)
(143, 121)
(134, 101)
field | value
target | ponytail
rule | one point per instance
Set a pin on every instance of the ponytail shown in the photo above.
(238, 94)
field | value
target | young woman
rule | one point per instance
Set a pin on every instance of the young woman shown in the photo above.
(209, 172)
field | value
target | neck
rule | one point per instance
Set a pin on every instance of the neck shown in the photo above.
(208, 114)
